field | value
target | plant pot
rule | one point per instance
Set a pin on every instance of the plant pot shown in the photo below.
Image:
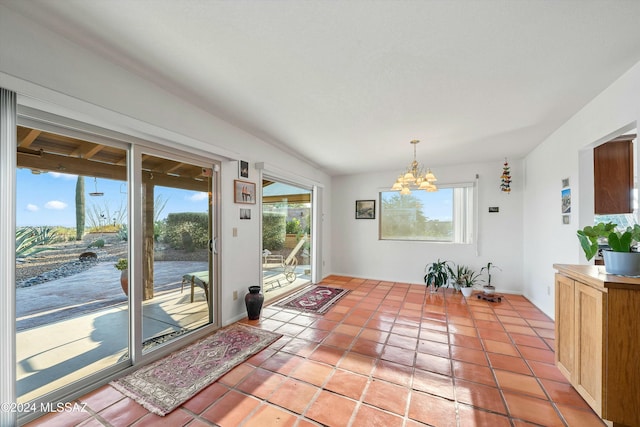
(489, 290)
(124, 281)
(253, 300)
(622, 263)
(466, 291)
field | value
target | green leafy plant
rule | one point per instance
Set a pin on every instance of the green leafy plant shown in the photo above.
(437, 273)
(488, 268)
(32, 240)
(122, 264)
(464, 276)
(590, 238)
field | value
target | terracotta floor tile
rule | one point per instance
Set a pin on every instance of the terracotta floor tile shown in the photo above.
(205, 398)
(473, 417)
(432, 347)
(368, 416)
(432, 383)
(331, 410)
(62, 419)
(387, 396)
(546, 370)
(530, 341)
(409, 343)
(532, 409)
(520, 383)
(367, 348)
(393, 372)
(405, 330)
(261, 383)
(485, 325)
(580, 417)
(231, 409)
(270, 416)
(500, 347)
(282, 363)
(324, 324)
(537, 354)
(432, 410)
(480, 396)
(437, 336)
(101, 398)
(512, 320)
(290, 329)
(493, 335)
(294, 395)
(313, 335)
(299, 347)
(177, 417)
(463, 330)
(508, 363)
(469, 355)
(398, 355)
(374, 335)
(123, 413)
(433, 325)
(465, 341)
(350, 330)
(312, 372)
(564, 394)
(347, 384)
(519, 329)
(356, 320)
(473, 372)
(237, 374)
(429, 362)
(338, 340)
(326, 354)
(357, 363)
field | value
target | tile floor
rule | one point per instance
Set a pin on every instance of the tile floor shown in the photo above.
(387, 354)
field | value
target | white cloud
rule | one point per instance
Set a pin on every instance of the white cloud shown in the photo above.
(32, 208)
(62, 175)
(55, 204)
(198, 197)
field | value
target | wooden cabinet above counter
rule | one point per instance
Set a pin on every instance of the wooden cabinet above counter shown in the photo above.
(598, 340)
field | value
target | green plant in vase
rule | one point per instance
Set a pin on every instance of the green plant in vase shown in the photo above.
(437, 275)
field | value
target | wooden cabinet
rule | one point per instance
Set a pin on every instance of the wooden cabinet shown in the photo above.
(613, 177)
(598, 341)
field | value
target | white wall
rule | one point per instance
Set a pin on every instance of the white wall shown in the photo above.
(546, 239)
(52, 73)
(356, 250)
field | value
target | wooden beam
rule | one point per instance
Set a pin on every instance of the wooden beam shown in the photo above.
(29, 138)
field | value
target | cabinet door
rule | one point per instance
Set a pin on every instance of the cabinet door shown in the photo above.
(613, 177)
(587, 376)
(564, 325)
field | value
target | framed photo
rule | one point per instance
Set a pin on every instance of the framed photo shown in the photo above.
(365, 209)
(245, 213)
(244, 192)
(566, 201)
(565, 182)
(243, 169)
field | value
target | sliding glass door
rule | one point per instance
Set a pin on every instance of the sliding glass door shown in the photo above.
(286, 237)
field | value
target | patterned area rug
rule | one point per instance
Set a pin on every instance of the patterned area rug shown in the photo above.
(317, 299)
(167, 383)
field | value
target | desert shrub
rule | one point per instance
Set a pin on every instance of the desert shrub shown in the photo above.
(187, 230)
(32, 240)
(96, 244)
(273, 228)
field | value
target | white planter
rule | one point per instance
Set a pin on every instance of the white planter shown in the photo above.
(466, 291)
(622, 263)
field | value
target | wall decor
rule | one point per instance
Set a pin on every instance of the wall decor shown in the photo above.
(365, 209)
(565, 182)
(505, 178)
(243, 169)
(566, 219)
(245, 213)
(244, 192)
(566, 200)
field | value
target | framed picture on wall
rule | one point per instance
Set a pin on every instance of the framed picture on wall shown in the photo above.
(243, 169)
(244, 192)
(365, 209)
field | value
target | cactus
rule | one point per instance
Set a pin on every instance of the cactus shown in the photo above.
(79, 207)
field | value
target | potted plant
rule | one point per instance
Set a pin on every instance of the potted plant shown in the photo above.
(437, 275)
(620, 257)
(469, 281)
(123, 266)
(457, 275)
(489, 289)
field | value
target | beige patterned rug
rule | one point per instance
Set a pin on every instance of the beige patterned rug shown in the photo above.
(165, 384)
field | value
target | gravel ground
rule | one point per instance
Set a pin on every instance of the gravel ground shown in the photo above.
(64, 260)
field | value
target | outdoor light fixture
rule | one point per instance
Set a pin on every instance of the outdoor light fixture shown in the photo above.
(415, 177)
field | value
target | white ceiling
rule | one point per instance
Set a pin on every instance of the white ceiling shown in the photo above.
(347, 84)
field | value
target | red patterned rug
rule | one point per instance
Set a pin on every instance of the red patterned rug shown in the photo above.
(317, 299)
(167, 383)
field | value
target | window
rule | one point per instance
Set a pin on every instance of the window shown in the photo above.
(442, 216)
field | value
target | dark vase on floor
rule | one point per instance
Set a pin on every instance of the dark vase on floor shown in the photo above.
(253, 300)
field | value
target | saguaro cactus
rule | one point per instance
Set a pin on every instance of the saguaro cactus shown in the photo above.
(80, 207)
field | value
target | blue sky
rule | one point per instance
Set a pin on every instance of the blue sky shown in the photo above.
(436, 205)
(50, 198)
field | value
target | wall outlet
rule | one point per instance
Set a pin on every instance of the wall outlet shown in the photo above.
(235, 295)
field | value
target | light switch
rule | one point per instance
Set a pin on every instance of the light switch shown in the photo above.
(235, 231)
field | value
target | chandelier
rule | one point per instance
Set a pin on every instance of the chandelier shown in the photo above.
(415, 177)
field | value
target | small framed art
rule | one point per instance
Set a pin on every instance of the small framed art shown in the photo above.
(243, 169)
(365, 209)
(244, 192)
